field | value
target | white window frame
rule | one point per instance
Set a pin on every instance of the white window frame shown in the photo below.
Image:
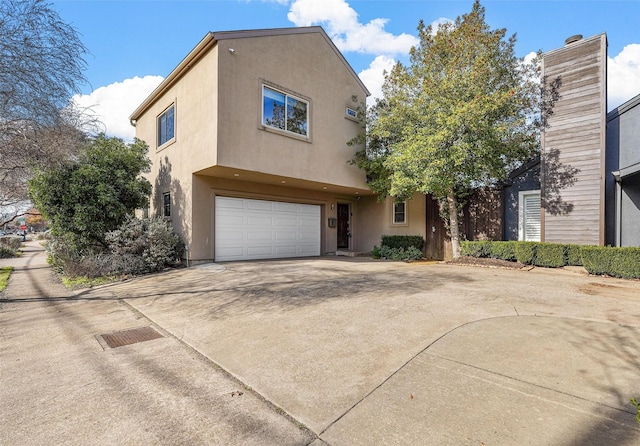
(158, 118)
(393, 213)
(286, 95)
(522, 196)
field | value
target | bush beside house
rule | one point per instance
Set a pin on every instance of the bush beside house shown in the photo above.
(399, 247)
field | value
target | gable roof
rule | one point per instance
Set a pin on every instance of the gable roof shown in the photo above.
(210, 40)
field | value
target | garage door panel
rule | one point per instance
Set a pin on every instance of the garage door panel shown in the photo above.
(286, 207)
(255, 220)
(230, 220)
(309, 209)
(308, 236)
(233, 236)
(260, 251)
(286, 221)
(307, 250)
(286, 251)
(307, 222)
(288, 235)
(258, 205)
(231, 252)
(229, 204)
(259, 229)
(259, 236)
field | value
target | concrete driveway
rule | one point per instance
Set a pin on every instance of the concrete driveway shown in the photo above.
(362, 352)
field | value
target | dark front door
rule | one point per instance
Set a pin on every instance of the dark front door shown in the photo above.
(434, 243)
(343, 226)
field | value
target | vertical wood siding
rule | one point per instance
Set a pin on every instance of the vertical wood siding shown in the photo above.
(575, 143)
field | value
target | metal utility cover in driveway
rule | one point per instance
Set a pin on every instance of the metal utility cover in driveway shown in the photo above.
(128, 337)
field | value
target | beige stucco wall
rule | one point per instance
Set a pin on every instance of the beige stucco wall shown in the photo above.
(375, 219)
(195, 102)
(206, 188)
(303, 65)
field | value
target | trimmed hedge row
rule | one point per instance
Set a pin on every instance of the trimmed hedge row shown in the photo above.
(399, 247)
(599, 260)
(403, 241)
(616, 262)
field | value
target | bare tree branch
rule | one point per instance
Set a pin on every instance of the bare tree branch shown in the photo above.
(41, 67)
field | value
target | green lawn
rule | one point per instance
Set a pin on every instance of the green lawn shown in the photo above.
(4, 276)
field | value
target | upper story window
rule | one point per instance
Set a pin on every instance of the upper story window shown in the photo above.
(400, 213)
(284, 112)
(166, 126)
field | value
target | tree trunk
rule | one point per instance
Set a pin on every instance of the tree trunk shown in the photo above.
(453, 224)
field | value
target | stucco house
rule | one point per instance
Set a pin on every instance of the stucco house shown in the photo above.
(248, 141)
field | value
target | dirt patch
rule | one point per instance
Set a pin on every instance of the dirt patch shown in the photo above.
(485, 262)
(607, 290)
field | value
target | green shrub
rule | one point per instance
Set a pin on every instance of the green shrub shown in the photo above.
(526, 252)
(572, 255)
(375, 252)
(475, 248)
(549, 255)
(616, 262)
(6, 252)
(403, 241)
(503, 250)
(400, 254)
(150, 244)
(138, 246)
(13, 242)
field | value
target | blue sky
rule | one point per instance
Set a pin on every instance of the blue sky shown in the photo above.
(134, 43)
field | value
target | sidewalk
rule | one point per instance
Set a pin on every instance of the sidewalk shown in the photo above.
(58, 385)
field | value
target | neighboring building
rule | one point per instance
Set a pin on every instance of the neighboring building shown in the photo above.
(248, 141)
(522, 205)
(585, 189)
(573, 145)
(623, 182)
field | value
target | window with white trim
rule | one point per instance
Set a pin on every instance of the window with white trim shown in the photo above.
(283, 111)
(529, 215)
(166, 125)
(400, 213)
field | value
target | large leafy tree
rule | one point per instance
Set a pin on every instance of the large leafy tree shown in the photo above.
(463, 113)
(41, 67)
(84, 199)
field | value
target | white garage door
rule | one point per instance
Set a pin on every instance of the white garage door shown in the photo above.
(258, 229)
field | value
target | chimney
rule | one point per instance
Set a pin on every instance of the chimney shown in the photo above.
(573, 39)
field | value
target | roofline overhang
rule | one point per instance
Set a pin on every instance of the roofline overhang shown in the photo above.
(207, 42)
(626, 172)
(623, 108)
(210, 40)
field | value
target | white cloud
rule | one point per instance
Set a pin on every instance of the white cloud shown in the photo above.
(113, 104)
(623, 75)
(373, 77)
(530, 57)
(341, 22)
(436, 24)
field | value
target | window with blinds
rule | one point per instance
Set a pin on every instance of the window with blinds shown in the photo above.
(529, 216)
